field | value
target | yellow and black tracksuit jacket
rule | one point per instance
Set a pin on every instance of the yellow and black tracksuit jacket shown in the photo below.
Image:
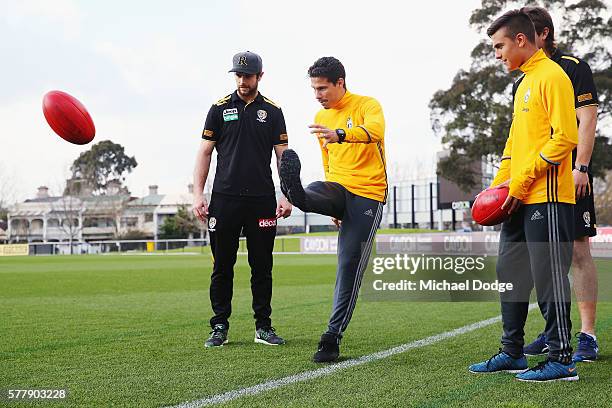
(358, 164)
(544, 101)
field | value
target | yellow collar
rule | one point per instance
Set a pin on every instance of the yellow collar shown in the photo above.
(533, 61)
(343, 101)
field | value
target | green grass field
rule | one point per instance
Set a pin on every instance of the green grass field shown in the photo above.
(129, 331)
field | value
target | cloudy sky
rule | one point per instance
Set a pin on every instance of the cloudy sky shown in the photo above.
(148, 72)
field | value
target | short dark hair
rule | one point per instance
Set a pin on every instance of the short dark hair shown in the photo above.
(542, 19)
(328, 67)
(515, 22)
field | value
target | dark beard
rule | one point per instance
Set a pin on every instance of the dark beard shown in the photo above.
(251, 95)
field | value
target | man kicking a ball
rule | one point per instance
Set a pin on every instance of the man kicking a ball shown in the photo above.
(350, 129)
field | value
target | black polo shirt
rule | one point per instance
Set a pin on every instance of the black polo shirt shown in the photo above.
(580, 74)
(244, 136)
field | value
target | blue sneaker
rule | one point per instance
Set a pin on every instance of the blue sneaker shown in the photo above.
(587, 349)
(500, 362)
(537, 347)
(550, 370)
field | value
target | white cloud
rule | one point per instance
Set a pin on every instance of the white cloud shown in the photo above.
(62, 15)
(159, 64)
(148, 75)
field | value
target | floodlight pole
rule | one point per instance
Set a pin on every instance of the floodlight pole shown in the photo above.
(395, 207)
(412, 206)
(431, 214)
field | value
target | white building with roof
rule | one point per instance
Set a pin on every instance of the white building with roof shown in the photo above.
(93, 218)
(66, 218)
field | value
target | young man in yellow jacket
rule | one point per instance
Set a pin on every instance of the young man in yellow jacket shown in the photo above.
(584, 272)
(350, 129)
(536, 241)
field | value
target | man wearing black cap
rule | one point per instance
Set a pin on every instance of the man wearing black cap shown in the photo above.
(244, 127)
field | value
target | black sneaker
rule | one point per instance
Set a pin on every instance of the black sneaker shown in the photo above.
(268, 336)
(291, 186)
(328, 349)
(218, 336)
(537, 347)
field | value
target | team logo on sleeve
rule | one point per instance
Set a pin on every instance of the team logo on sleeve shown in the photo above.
(267, 222)
(585, 97)
(230, 114)
(212, 223)
(262, 115)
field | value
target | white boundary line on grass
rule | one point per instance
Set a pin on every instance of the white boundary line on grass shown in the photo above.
(330, 369)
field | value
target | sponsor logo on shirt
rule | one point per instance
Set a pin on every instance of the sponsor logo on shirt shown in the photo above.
(349, 123)
(208, 133)
(284, 137)
(585, 97)
(230, 114)
(267, 222)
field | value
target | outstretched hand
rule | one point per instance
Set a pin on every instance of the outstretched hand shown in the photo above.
(328, 135)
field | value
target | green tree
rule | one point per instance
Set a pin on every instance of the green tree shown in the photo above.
(133, 235)
(179, 226)
(104, 163)
(473, 116)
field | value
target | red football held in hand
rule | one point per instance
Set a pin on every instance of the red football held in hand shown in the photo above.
(487, 210)
(68, 117)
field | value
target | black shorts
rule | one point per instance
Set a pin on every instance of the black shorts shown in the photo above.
(585, 215)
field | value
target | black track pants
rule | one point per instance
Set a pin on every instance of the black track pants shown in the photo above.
(228, 216)
(536, 250)
(360, 219)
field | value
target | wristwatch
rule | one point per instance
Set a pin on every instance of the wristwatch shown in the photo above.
(582, 168)
(341, 135)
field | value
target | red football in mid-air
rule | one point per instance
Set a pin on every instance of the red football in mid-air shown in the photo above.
(487, 210)
(68, 117)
